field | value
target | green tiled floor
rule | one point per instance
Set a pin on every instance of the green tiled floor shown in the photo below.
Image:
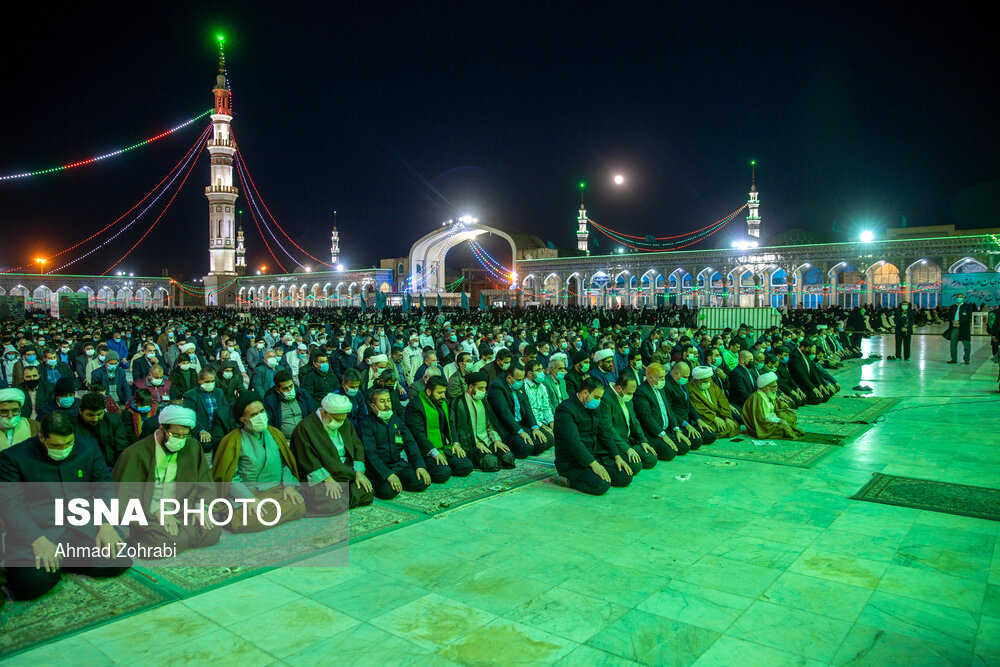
(753, 565)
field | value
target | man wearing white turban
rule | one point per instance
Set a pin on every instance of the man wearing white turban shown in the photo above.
(168, 464)
(711, 403)
(767, 418)
(331, 459)
(13, 427)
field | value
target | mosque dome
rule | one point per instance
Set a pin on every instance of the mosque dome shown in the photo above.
(793, 237)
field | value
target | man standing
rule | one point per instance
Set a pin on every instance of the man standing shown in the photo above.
(960, 329)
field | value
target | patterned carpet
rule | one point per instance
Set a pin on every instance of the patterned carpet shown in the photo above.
(461, 490)
(976, 501)
(836, 417)
(78, 602)
(794, 453)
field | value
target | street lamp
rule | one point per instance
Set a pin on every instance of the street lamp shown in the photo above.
(263, 269)
(41, 264)
(867, 236)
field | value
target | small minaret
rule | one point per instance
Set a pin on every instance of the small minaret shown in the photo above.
(241, 253)
(334, 243)
(581, 231)
(753, 217)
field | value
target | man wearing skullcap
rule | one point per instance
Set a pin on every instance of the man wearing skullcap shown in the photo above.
(254, 461)
(331, 458)
(765, 417)
(376, 364)
(168, 464)
(13, 427)
(711, 403)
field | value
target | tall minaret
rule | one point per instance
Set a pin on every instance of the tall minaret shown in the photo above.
(220, 191)
(581, 231)
(753, 218)
(334, 243)
(241, 253)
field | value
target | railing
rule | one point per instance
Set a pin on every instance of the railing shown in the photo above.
(228, 189)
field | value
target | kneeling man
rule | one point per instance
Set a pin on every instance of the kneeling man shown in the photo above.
(391, 454)
(765, 416)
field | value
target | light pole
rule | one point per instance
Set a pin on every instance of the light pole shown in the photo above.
(41, 265)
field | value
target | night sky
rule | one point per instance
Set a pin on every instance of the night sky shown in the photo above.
(400, 119)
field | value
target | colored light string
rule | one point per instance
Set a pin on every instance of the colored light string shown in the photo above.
(715, 227)
(253, 207)
(98, 158)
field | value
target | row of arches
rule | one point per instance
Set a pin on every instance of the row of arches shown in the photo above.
(104, 298)
(342, 294)
(805, 286)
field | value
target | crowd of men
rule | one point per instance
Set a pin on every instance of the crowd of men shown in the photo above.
(297, 405)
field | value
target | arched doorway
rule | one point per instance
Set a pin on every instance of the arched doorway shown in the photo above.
(427, 255)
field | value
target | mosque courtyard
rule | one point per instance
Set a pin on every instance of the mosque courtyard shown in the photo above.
(746, 564)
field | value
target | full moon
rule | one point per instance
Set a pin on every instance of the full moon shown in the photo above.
(619, 179)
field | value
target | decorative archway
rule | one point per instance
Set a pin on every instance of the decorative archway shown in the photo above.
(923, 284)
(552, 288)
(427, 255)
(967, 265)
(883, 283)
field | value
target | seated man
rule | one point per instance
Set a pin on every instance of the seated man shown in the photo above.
(586, 452)
(711, 403)
(254, 462)
(63, 399)
(263, 374)
(168, 464)
(286, 406)
(330, 455)
(659, 424)
(318, 379)
(632, 442)
(204, 399)
(113, 378)
(679, 398)
(386, 439)
(138, 411)
(777, 363)
(518, 427)
(580, 370)
(350, 387)
(764, 415)
(35, 393)
(95, 424)
(36, 554)
(476, 426)
(427, 418)
(539, 397)
(157, 385)
(14, 428)
(741, 381)
(806, 374)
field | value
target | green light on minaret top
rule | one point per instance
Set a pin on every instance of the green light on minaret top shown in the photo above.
(753, 163)
(221, 38)
(582, 185)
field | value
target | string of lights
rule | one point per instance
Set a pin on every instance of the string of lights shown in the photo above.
(254, 207)
(684, 239)
(98, 158)
(188, 160)
(485, 263)
(158, 218)
(476, 247)
(678, 236)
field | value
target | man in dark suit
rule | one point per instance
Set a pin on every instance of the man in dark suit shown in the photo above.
(904, 319)
(387, 439)
(741, 382)
(633, 446)
(205, 399)
(676, 390)
(103, 428)
(658, 422)
(960, 328)
(140, 369)
(34, 561)
(804, 373)
(518, 428)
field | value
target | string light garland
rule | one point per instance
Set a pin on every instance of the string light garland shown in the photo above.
(712, 229)
(253, 207)
(189, 159)
(98, 158)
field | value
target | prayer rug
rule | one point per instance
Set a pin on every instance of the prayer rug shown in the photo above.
(461, 490)
(925, 494)
(794, 453)
(78, 602)
(847, 409)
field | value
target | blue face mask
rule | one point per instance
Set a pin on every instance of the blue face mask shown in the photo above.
(682, 381)
(324, 367)
(352, 392)
(143, 408)
(560, 375)
(518, 384)
(593, 404)
(760, 366)
(579, 344)
(784, 360)
(626, 349)
(30, 358)
(65, 401)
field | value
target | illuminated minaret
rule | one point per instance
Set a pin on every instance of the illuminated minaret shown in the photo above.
(241, 253)
(581, 232)
(753, 217)
(335, 243)
(220, 191)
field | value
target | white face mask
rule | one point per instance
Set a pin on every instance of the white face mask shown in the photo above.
(289, 395)
(272, 362)
(660, 385)
(9, 423)
(334, 425)
(208, 387)
(174, 444)
(384, 415)
(156, 382)
(479, 395)
(89, 353)
(184, 367)
(258, 422)
(59, 454)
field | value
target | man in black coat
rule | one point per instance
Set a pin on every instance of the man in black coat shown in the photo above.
(676, 390)
(518, 427)
(658, 422)
(141, 366)
(476, 426)
(633, 446)
(904, 318)
(32, 474)
(804, 372)
(386, 439)
(741, 381)
(585, 440)
(103, 428)
(959, 328)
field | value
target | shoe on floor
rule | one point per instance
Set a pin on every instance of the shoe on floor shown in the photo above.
(893, 359)
(952, 362)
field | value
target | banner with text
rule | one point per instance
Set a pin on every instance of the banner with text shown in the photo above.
(979, 288)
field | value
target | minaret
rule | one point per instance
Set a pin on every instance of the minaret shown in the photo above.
(241, 253)
(753, 218)
(220, 192)
(581, 231)
(334, 243)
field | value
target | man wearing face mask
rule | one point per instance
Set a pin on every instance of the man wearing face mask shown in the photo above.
(168, 464)
(33, 564)
(331, 459)
(13, 427)
(204, 400)
(457, 384)
(156, 383)
(318, 380)
(254, 462)
(765, 416)
(141, 366)
(103, 428)
(659, 424)
(742, 380)
(518, 426)
(632, 443)
(229, 380)
(475, 425)
(802, 367)
(29, 359)
(585, 441)
(350, 387)
(412, 357)
(576, 374)
(554, 380)
(140, 417)
(959, 329)
(53, 369)
(391, 454)
(286, 406)
(34, 393)
(263, 373)
(711, 404)
(679, 398)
